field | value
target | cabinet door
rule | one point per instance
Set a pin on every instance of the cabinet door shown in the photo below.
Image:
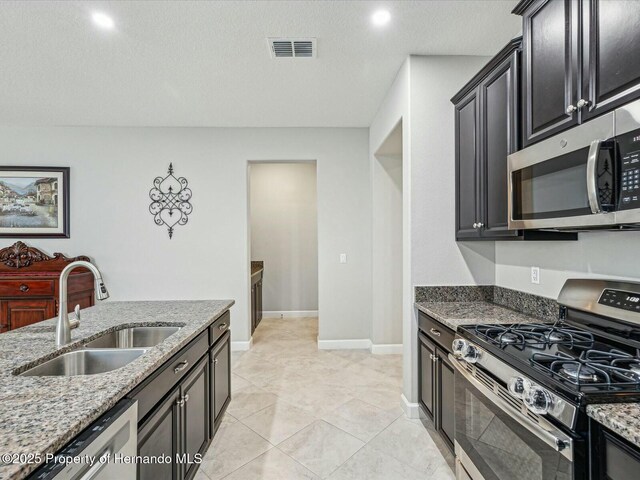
(19, 313)
(612, 457)
(467, 139)
(551, 31)
(259, 302)
(611, 54)
(221, 379)
(195, 415)
(426, 376)
(498, 100)
(253, 307)
(446, 405)
(158, 436)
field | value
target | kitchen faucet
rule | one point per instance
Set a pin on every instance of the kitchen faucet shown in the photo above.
(63, 329)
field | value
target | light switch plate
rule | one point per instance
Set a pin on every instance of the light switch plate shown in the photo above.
(343, 258)
(535, 275)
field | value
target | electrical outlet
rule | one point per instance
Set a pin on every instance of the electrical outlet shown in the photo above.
(343, 258)
(535, 274)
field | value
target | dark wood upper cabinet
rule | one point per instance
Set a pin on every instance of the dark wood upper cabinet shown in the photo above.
(486, 132)
(611, 55)
(549, 68)
(467, 137)
(581, 58)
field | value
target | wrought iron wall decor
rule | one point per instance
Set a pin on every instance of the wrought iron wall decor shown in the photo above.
(170, 204)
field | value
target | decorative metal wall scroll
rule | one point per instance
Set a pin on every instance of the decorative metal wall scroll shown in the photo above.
(170, 204)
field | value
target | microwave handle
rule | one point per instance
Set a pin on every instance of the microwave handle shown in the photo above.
(592, 187)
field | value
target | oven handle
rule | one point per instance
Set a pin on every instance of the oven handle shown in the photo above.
(544, 431)
(592, 188)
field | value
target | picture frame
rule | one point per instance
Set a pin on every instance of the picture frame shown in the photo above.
(34, 202)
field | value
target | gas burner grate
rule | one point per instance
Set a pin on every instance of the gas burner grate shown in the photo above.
(534, 335)
(596, 368)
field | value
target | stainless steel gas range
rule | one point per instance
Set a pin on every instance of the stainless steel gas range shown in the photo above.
(521, 390)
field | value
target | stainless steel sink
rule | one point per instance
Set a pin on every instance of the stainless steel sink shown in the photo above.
(86, 362)
(133, 337)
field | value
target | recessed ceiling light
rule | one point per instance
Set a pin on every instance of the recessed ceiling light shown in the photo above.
(103, 20)
(381, 17)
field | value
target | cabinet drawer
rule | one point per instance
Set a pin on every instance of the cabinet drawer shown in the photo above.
(436, 331)
(151, 391)
(21, 288)
(219, 327)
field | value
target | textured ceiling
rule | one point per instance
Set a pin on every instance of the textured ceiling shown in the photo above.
(179, 63)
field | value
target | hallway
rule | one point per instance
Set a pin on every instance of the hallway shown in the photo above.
(302, 413)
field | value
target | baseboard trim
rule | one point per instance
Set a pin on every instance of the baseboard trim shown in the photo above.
(411, 410)
(386, 349)
(241, 346)
(290, 314)
(357, 343)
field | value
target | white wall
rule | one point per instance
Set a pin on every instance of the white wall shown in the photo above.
(420, 97)
(595, 254)
(284, 233)
(112, 170)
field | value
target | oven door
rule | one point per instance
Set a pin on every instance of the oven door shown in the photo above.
(497, 439)
(565, 182)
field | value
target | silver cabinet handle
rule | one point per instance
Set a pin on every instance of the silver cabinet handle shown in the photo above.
(570, 109)
(181, 367)
(186, 398)
(222, 326)
(180, 402)
(215, 361)
(435, 332)
(475, 225)
(582, 103)
(480, 225)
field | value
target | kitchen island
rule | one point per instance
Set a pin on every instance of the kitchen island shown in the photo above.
(40, 414)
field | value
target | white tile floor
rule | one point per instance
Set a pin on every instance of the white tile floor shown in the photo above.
(302, 413)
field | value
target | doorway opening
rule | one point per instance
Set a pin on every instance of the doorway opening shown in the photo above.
(283, 234)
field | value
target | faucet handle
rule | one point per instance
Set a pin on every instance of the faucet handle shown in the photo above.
(75, 322)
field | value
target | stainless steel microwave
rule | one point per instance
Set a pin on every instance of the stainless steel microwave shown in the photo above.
(585, 178)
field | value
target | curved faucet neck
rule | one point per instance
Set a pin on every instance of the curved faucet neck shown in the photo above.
(63, 328)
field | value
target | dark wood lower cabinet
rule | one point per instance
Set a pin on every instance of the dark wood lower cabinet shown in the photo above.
(436, 376)
(159, 437)
(220, 380)
(612, 457)
(181, 405)
(427, 375)
(445, 372)
(195, 416)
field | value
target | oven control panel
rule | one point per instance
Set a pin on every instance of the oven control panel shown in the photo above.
(620, 299)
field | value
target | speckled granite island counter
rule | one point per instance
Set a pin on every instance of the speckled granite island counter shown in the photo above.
(454, 314)
(621, 418)
(42, 414)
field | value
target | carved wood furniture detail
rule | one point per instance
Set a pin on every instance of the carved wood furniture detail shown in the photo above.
(29, 281)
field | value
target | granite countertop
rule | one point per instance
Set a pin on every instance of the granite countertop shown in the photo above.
(256, 267)
(455, 314)
(39, 415)
(622, 418)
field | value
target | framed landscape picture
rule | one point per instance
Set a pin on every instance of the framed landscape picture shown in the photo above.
(34, 202)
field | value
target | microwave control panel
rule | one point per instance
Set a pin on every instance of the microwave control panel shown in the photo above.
(629, 151)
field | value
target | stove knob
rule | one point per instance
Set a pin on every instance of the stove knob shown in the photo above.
(518, 386)
(472, 355)
(538, 400)
(460, 347)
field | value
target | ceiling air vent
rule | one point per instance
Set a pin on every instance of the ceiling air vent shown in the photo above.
(292, 47)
